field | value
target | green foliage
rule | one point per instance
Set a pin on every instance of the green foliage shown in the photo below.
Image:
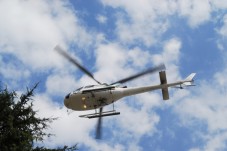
(19, 126)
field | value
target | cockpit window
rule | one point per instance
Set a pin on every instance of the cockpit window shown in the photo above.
(89, 86)
(77, 90)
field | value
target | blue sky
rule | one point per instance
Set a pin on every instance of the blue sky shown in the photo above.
(115, 39)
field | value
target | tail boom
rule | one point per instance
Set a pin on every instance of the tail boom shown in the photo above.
(163, 86)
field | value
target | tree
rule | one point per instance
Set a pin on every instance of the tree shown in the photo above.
(19, 126)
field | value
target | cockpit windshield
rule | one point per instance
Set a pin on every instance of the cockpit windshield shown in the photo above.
(89, 86)
(77, 90)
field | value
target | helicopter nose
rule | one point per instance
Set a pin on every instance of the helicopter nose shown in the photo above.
(66, 100)
(67, 96)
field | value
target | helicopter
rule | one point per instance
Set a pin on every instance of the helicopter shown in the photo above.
(93, 97)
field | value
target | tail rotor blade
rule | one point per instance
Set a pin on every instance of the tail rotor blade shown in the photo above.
(75, 62)
(148, 71)
(99, 126)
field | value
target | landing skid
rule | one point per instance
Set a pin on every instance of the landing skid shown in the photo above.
(95, 115)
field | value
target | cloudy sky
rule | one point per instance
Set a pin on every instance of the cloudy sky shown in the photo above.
(114, 39)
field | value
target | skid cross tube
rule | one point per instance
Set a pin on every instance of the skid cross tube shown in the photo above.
(95, 115)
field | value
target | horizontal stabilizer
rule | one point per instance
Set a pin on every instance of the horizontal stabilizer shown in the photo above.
(163, 80)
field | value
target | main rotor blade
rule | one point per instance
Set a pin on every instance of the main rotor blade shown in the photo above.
(73, 60)
(148, 71)
(99, 125)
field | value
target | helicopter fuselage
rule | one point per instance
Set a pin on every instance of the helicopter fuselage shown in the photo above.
(96, 96)
(93, 97)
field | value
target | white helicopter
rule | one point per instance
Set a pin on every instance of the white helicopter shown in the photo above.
(94, 97)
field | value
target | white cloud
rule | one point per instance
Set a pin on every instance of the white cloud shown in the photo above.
(221, 79)
(220, 76)
(206, 106)
(145, 21)
(114, 61)
(101, 19)
(222, 31)
(145, 31)
(197, 11)
(214, 142)
(138, 57)
(217, 4)
(141, 21)
(68, 129)
(170, 56)
(217, 142)
(60, 84)
(31, 29)
(13, 70)
(172, 48)
(139, 124)
(110, 61)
